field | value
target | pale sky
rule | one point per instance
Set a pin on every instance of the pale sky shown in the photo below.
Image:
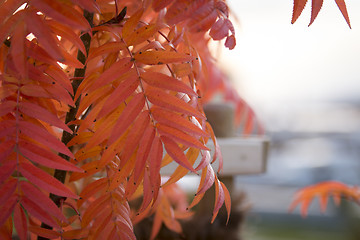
(277, 63)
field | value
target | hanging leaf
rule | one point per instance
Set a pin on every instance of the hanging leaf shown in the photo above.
(44, 180)
(175, 120)
(45, 157)
(34, 210)
(180, 137)
(131, 111)
(7, 209)
(40, 199)
(43, 232)
(20, 222)
(219, 199)
(62, 13)
(166, 82)
(40, 113)
(176, 153)
(115, 71)
(42, 136)
(7, 189)
(170, 102)
(162, 57)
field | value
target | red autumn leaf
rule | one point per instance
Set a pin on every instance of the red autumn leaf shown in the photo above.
(91, 189)
(323, 190)
(180, 137)
(131, 111)
(154, 160)
(36, 25)
(62, 13)
(162, 57)
(20, 222)
(143, 33)
(17, 49)
(75, 234)
(134, 136)
(175, 120)
(166, 82)
(122, 92)
(157, 5)
(143, 152)
(45, 157)
(170, 102)
(44, 137)
(6, 170)
(104, 49)
(219, 198)
(180, 171)
(44, 180)
(176, 153)
(42, 114)
(112, 73)
(7, 208)
(7, 107)
(94, 209)
(131, 23)
(35, 210)
(7, 189)
(43, 232)
(299, 6)
(227, 201)
(40, 199)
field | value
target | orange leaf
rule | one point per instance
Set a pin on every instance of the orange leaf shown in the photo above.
(180, 137)
(94, 209)
(143, 151)
(176, 153)
(98, 186)
(157, 5)
(341, 5)
(36, 25)
(175, 120)
(60, 77)
(165, 100)
(227, 201)
(112, 73)
(166, 82)
(315, 9)
(43, 232)
(67, 33)
(142, 34)
(135, 134)
(154, 159)
(130, 113)
(131, 23)
(209, 180)
(34, 91)
(44, 180)
(219, 198)
(7, 107)
(89, 5)
(148, 192)
(180, 171)
(299, 6)
(120, 94)
(62, 13)
(20, 222)
(162, 57)
(17, 49)
(75, 234)
(109, 47)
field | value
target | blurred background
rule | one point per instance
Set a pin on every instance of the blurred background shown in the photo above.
(304, 84)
